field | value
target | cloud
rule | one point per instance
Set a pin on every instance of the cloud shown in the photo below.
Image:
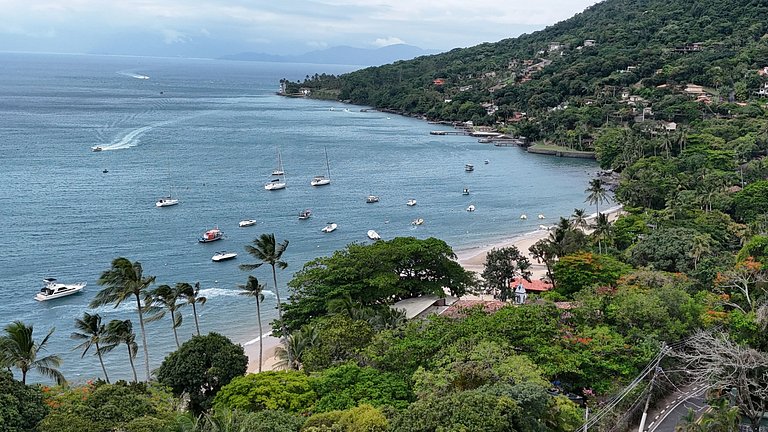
(173, 37)
(382, 42)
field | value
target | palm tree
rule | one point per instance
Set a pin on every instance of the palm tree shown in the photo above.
(192, 296)
(268, 251)
(91, 332)
(19, 350)
(121, 332)
(602, 230)
(579, 219)
(165, 299)
(597, 193)
(123, 280)
(254, 289)
(291, 352)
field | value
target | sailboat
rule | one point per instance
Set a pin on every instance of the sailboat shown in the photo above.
(322, 180)
(169, 200)
(277, 183)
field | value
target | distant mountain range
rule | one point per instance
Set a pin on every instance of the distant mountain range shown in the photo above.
(341, 55)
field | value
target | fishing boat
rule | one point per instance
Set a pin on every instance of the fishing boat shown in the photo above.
(331, 227)
(223, 256)
(323, 180)
(247, 222)
(417, 222)
(373, 235)
(411, 202)
(211, 235)
(96, 149)
(275, 184)
(465, 191)
(166, 202)
(469, 167)
(305, 214)
(471, 208)
(372, 199)
(53, 290)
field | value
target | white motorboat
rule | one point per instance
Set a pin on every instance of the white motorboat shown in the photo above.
(471, 208)
(96, 149)
(247, 223)
(223, 256)
(211, 235)
(331, 227)
(417, 222)
(372, 199)
(523, 216)
(373, 235)
(166, 202)
(323, 180)
(53, 290)
(305, 214)
(275, 184)
(411, 202)
(541, 216)
(465, 191)
(469, 167)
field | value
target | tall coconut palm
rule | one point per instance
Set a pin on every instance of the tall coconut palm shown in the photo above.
(291, 352)
(597, 194)
(579, 219)
(192, 296)
(123, 280)
(121, 332)
(254, 289)
(19, 350)
(91, 331)
(164, 299)
(268, 251)
(602, 230)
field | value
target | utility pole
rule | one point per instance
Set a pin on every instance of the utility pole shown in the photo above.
(650, 387)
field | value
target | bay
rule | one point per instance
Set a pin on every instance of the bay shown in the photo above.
(209, 132)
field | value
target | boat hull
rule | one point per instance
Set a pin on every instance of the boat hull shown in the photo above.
(75, 288)
(247, 223)
(329, 228)
(320, 182)
(274, 186)
(223, 257)
(166, 203)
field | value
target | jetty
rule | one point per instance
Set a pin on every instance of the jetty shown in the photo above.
(449, 132)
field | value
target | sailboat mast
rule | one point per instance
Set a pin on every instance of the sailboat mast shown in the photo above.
(327, 165)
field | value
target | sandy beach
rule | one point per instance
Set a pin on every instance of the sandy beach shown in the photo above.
(252, 351)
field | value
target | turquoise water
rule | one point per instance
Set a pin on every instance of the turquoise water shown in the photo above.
(209, 132)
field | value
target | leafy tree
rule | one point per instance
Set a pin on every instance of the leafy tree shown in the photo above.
(21, 406)
(339, 339)
(254, 289)
(582, 270)
(192, 296)
(502, 266)
(223, 420)
(92, 331)
(757, 248)
(201, 367)
(123, 280)
(19, 350)
(164, 299)
(667, 249)
(286, 390)
(268, 251)
(363, 418)
(121, 332)
(752, 201)
(349, 385)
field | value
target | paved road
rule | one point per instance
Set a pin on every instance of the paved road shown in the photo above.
(666, 418)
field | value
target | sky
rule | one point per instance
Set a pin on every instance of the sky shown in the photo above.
(212, 28)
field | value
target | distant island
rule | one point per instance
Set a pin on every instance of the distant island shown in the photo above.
(341, 55)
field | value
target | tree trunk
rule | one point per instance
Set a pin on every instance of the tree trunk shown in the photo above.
(143, 337)
(130, 360)
(173, 326)
(24, 376)
(261, 333)
(197, 324)
(101, 360)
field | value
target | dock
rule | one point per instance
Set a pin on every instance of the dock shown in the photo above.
(451, 132)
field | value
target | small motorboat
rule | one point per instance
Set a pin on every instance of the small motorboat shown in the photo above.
(211, 235)
(96, 149)
(541, 216)
(223, 256)
(523, 216)
(373, 235)
(471, 208)
(465, 191)
(469, 167)
(372, 199)
(105, 171)
(166, 202)
(275, 184)
(418, 221)
(411, 202)
(53, 290)
(331, 227)
(305, 214)
(247, 222)
(486, 161)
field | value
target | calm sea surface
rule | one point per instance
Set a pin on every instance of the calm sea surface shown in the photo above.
(209, 131)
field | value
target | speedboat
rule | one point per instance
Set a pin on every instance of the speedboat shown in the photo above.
(247, 223)
(372, 199)
(52, 289)
(411, 203)
(211, 235)
(166, 202)
(465, 191)
(523, 216)
(373, 235)
(331, 227)
(275, 184)
(469, 167)
(541, 216)
(471, 208)
(305, 214)
(418, 221)
(96, 149)
(486, 161)
(223, 256)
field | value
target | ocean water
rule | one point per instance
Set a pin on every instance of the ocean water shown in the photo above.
(209, 131)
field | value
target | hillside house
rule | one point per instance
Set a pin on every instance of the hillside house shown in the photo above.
(465, 88)
(490, 108)
(763, 71)
(438, 81)
(305, 91)
(763, 91)
(555, 46)
(422, 307)
(694, 90)
(589, 43)
(689, 48)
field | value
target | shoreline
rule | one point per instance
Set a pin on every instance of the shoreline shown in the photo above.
(269, 358)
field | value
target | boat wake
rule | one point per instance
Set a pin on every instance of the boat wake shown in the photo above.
(131, 139)
(222, 292)
(133, 75)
